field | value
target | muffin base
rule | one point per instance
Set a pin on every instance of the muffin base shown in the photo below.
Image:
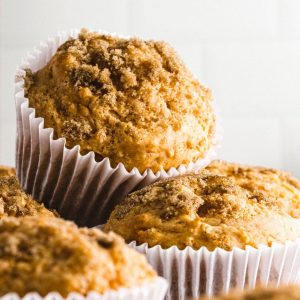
(192, 273)
(77, 186)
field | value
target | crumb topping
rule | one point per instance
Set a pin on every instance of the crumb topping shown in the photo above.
(205, 195)
(131, 100)
(201, 210)
(278, 186)
(14, 202)
(7, 171)
(50, 254)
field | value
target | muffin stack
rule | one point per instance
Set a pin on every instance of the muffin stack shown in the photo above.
(117, 131)
(118, 114)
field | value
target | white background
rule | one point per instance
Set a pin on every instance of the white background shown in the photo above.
(247, 52)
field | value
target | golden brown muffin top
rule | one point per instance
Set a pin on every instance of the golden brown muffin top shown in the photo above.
(50, 254)
(130, 100)
(277, 185)
(201, 210)
(266, 293)
(14, 202)
(7, 171)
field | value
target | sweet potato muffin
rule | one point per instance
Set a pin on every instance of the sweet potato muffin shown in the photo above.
(201, 210)
(270, 293)
(130, 100)
(14, 202)
(7, 171)
(50, 254)
(277, 185)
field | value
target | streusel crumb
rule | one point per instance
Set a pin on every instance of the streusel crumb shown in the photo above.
(43, 255)
(130, 100)
(7, 171)
(14, 202)
(276, 185)
(201, 210)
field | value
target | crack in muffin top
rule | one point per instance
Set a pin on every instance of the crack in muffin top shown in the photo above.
(130, 100)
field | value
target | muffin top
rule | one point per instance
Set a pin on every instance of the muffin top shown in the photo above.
(14, 202)
(274, 184)
(201, 210)
(50, 254)
(265, 293)
(130, 100)
(7, 171)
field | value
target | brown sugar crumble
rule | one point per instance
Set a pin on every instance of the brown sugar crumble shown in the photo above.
(7, 171)
(278, 186)
(201, 210)
(49, 254)
(130, 100)
(14, 202)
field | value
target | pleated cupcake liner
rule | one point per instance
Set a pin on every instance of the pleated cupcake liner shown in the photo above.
(77, 186)
(194, 273)
(155, 290)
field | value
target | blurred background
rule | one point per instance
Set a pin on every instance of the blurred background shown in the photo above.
(247, 52)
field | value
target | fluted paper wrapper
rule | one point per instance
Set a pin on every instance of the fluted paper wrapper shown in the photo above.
(155, 290)
(77, 186)
(193, 273)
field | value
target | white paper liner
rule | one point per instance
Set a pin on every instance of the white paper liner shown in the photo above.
(77, 186)
(155, 290)
(192, 273)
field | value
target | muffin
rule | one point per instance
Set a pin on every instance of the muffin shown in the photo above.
(7, 171)
(130, 100)
(14, 202)
(206, 234)
(271, 293)
(201, 210)
(103, 116)
(49, 254)
(274, 184)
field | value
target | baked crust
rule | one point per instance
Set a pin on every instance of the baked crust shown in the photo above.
(14, 202)
(279, 186)
(7, 171)
(291, 292)
(132, 101)
(49, 254)
(201, 210)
